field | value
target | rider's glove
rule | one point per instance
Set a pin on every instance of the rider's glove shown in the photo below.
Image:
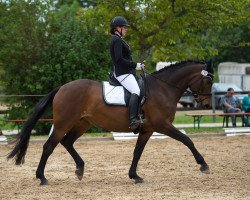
(140, 66)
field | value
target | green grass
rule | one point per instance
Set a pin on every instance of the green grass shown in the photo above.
(6, 126)
(190, 120)
(204, 130)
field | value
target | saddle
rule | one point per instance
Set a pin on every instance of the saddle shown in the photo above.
(115, 94)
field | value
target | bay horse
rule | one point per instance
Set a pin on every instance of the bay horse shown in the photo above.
(79, 104)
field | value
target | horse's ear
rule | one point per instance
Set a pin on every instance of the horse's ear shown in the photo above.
(210, 67)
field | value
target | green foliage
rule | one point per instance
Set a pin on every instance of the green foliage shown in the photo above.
(74, 50)
(21, 37)
(231, 44)
(43, 47)
(81, 3)
(43, 50)
(235, 43)
(172, 30)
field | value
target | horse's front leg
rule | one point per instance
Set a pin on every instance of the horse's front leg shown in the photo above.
(140, 144)
(174, 133)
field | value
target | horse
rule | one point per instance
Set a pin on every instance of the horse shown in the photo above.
(78, 105)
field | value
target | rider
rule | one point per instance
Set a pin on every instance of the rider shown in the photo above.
(124, 68)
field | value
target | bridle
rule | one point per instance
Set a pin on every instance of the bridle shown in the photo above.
(195, 94)
(204, 74)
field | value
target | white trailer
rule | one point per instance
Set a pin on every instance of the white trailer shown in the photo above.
(237, 73)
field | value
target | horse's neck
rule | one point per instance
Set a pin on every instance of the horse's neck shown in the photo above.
(176, 80)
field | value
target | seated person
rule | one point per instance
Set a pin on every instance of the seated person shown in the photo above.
(231, 104)
(246, 103)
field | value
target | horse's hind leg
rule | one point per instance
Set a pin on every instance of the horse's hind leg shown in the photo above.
(140, 144)
(68, 141)
(48, 148)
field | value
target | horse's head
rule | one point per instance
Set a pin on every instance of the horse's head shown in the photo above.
(201, 86)
(196, 76)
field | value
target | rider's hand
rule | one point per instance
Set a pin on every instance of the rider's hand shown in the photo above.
(140, 66)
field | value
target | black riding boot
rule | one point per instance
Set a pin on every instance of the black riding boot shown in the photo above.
(133, 111)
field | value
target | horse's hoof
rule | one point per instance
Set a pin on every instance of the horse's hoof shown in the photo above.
(79, 173)
(44, 181)
(138, 180)
(205, 169)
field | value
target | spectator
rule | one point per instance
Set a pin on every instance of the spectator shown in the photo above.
(232, 104)
(246, 103)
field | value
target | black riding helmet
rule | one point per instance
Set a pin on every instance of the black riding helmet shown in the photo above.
(118, 21)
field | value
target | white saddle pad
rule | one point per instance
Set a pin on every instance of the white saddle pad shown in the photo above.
(113, 94)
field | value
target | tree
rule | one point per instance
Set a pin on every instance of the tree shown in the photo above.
(43, 47)
(172, 29)
(81, 3)
(22, 38)
(74, 50)
(48, 48)
(232, 44)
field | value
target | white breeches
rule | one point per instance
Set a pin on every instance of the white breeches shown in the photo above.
(128, 81)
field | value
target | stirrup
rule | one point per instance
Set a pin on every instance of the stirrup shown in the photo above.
(142, 120)
(134, 124)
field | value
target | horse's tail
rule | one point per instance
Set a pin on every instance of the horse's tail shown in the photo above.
(22, 139)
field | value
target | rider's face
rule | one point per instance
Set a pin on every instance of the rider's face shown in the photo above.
(122, 30)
